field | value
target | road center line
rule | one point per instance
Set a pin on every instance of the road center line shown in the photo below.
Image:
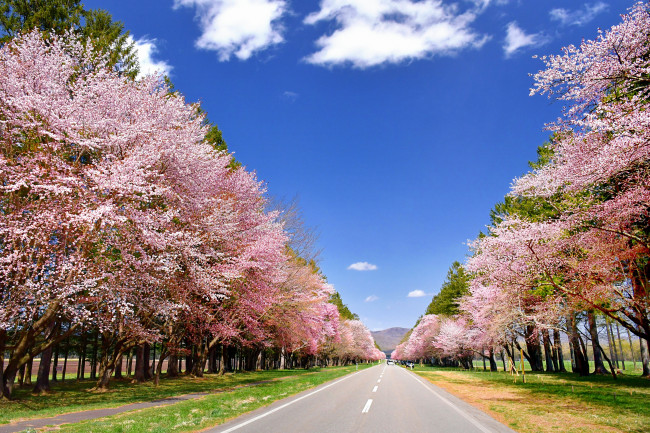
(366, 408)
(245, 423)
(375, 388)
(453, 406)
(378, 380)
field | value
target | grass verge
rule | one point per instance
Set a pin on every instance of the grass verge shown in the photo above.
(211, 410)
(74, 396)
(550, 402)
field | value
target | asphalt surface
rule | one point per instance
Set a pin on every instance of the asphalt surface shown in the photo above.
(384, 398)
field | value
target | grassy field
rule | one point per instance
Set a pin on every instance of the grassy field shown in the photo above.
(550, 402)
(630, 368)
(228, 390)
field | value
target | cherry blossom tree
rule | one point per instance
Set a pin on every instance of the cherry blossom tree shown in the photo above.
(420, 343)
(356, 343)
(591, 253)
(602, 152)
(118, 214)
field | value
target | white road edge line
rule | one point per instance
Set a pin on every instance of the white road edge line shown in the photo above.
(366, 408)
(378, 380)
(375, 388)
(453, 406)
(245, 423)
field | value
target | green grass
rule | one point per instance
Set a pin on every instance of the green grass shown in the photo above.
(550, 402)
(74, 396)
(210, 410)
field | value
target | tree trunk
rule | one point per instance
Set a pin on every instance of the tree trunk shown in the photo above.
(645, 361)
(261, 363)
(93, 360)
(612, 367)
(526, 355)
(510, 353)
(172, 366)
(584, 348)
(199, 360)
(104, 378)
(599, 366)
(493, 362)
(65, 359)
(26, 346)
(163, 355)
(231, 358)
(629, 337)
(579, 356)
(574, 367)
(250, 357)
(107, 366)
(139, 376)
(534, 349)
(211, 360)
(110, 358)
(152, 369)
(557, 343)
(146, 356)
(547, 351)
(620, 345)
(43, 378)
(129, 362)
(81, 370)
(3, 337)
(21, 375)
(189, 361)
(222, 360)
(27, 379)
(118, 367)
(611, 343)
(282, 360)
(55, 364)
(9, 377)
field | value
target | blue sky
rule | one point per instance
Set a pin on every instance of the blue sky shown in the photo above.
(397, 123)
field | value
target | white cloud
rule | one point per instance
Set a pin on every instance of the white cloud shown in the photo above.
(374, 32)
(517, 39)
(578, 17)
(145, 50)
(371, 298)
(362, 266)
(238, 28)
(416, 294)
(290, 96)
(482, 4)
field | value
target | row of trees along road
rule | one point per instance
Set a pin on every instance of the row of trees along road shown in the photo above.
(568, 248)
(126, 226)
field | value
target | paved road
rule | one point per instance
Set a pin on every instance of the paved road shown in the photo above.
(384, 398)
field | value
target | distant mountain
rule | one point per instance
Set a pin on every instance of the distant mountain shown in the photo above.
(389, 338)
